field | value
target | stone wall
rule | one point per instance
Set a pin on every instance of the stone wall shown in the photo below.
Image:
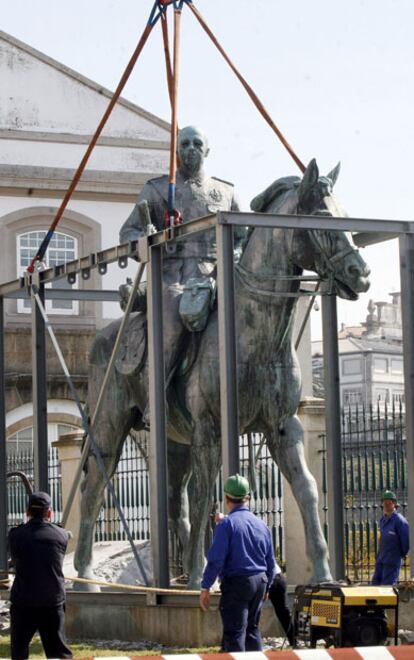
(75, 345)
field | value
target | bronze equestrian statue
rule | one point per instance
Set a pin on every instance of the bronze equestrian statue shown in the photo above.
(267, 285)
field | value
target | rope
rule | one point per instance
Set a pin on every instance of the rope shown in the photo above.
(108, 374)
(158, 11)
(174, 122)
(168, 67)
(248, 89)
(129, 587)
(119, 585)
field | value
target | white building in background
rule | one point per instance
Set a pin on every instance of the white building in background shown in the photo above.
(48, 114)
(370, 357)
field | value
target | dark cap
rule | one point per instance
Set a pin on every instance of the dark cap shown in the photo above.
(39, 500)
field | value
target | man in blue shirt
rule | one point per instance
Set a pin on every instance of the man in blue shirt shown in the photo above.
(241, 555)
(394, 542)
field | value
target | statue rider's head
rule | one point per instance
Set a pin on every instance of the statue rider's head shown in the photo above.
(192, 149)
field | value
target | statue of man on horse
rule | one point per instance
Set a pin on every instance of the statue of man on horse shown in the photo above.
(268, 278)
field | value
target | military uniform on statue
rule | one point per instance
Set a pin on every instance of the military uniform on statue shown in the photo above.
(191, 259)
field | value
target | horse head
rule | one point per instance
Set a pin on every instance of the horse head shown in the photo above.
(330, 253)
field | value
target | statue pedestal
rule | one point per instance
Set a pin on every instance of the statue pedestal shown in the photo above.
(312, 415)
(69, 449)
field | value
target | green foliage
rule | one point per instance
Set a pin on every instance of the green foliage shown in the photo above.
(88, 649)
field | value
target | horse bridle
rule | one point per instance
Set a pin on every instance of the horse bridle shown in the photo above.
(247, 277)
(330, 261)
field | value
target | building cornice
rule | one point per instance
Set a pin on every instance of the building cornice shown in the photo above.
(28, 180)
(74, 138)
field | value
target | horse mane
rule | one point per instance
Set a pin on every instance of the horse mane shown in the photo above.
(276, 189)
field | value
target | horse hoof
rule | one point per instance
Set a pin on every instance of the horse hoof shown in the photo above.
(86, 586)
(318, 579)
(193, 584)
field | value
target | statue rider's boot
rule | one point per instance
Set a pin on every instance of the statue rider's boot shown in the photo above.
(170, 365)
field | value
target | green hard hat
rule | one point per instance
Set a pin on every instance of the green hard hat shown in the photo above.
(237, 486)
(388, 495)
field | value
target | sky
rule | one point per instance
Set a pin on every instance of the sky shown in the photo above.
(337, 78)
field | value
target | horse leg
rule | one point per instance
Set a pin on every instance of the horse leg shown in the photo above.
(109, 434)
(179, 472)
(205, 461)
(287, 450)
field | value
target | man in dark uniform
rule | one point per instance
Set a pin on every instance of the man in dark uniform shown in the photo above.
(241, 555)
(38, 593)
(278, 598)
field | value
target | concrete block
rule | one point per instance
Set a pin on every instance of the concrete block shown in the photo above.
(176, 621)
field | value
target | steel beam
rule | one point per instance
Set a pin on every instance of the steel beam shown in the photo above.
(97, 295)
(3, 453)
(407, 309)
(121, 253)
(158, 431)
(333, 436)
(227, 350)
(39, 395)
(392, 227)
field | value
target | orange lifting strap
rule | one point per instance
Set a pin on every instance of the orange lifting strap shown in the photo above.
(159, 11)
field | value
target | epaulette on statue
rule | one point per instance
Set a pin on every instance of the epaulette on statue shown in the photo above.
(228, 183)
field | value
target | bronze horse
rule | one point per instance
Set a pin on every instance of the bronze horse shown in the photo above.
(267, 284)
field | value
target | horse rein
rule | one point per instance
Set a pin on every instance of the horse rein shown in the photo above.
(246, 276)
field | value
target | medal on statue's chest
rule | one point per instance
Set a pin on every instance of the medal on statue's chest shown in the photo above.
(215, 195)
(215, 200)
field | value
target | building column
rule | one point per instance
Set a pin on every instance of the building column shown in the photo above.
(69, 448)
(311, 413)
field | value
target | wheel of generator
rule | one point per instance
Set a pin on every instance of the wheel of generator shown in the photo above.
(367, 631)
(371, 634)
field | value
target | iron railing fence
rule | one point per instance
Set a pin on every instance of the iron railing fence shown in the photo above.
(373, 460)
(131, 484)
(16, 493)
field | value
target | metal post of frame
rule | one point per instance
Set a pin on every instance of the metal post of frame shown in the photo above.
(333, 436)
(227, 349)
(3, 455)
(407, 309)
(39, 394)
(158, 437)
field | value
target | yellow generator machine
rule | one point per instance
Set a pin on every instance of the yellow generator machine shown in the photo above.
(343, 615)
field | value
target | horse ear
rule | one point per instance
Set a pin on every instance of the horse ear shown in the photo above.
(310, 178)
(333, 174)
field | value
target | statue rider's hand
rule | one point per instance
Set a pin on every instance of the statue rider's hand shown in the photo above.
(124, 292)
